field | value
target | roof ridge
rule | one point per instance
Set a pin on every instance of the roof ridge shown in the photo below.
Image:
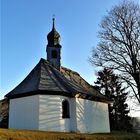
(72, 83)
(70, 70)
(40, 70)
(81, 79)
(48, 65)
(54, 71)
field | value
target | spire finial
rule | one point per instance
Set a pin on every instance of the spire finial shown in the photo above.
(53, 21)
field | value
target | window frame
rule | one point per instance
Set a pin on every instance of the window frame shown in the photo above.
(65, 109)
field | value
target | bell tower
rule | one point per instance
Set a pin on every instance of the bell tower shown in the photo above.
(53, 48)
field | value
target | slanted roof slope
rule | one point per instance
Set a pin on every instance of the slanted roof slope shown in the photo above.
(46, 79)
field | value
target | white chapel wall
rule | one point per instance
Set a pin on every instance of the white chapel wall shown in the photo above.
(44, 112)
(23, 113)
(73, 120)
(92, 117)
(50, 113)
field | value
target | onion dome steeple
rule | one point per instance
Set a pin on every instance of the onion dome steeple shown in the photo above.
(53, 37)
(54, 48)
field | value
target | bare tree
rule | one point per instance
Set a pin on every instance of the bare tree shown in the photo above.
(119, 47)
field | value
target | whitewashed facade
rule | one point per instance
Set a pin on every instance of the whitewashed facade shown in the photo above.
(44, 112)
(24, 113)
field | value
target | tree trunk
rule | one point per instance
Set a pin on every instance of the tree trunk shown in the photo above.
(137, 80)
(139, 94)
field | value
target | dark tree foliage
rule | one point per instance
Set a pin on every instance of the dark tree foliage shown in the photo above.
(119, 46)
(110, 85)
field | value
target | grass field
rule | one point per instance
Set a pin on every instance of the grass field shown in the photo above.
(8, 134)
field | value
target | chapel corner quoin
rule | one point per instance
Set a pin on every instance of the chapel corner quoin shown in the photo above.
(55, 98)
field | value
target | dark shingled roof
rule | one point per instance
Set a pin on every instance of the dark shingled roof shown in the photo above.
(45, 79)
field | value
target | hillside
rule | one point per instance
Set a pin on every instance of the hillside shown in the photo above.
(4, 113)
(6, 134)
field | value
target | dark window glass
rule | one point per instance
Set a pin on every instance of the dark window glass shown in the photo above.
(65, 109)
(54, 54)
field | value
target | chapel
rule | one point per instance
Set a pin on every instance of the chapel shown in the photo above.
(55, 98)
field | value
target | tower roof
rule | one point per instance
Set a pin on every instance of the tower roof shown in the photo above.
(53, 36)
(45, 79)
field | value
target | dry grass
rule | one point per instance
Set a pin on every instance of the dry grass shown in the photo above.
(8, 134)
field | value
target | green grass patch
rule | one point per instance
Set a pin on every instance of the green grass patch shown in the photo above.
(10, 134)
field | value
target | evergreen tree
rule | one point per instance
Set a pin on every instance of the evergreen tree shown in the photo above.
(110, 85)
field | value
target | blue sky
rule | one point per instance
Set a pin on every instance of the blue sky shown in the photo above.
(25, 25)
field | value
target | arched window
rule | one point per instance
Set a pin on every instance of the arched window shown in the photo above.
(65, 109)
(54, 54)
